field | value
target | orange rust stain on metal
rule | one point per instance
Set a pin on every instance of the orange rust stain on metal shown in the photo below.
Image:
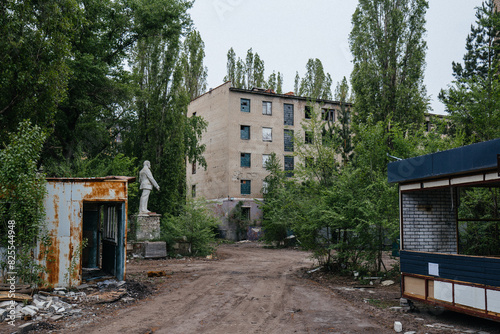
(102, 190)
(52, 262)
(55, 201)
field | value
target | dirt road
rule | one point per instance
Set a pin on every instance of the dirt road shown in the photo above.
(249, 290)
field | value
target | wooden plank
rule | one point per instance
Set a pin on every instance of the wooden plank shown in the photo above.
(19, 297)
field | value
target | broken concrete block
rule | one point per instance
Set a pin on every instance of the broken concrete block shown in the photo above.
(25, 328)
(5, 304)
(56, 317)
(398, 326)
(28, 311)
(387, 282)
(3, 314)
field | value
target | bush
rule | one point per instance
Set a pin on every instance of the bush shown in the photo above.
(196, 224)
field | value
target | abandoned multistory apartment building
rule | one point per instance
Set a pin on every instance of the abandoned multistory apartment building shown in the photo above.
(244, 128)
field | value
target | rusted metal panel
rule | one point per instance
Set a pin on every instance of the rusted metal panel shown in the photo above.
(64, 218)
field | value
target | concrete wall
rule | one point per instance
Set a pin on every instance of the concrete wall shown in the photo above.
(222, 209)
(429, 221)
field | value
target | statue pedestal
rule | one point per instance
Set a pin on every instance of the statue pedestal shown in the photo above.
(146, 226)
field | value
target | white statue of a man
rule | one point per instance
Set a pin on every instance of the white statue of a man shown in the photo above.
(147, 182)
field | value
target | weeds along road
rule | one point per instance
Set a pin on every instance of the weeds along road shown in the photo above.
(250, 289)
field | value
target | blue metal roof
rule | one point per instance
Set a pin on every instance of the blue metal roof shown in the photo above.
(464, 159)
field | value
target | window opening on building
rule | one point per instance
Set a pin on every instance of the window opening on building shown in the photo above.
(193, 191)
(288, 112)
(245, 105)
(245, 187)
(193, 167)
(328, 114)
(265, 187)
(265, 159)
(245, 160)
(308, 137)
(267, 108)
(245, 213)
(267, 134)
(245, 132)
(289, 166)
(288, 138)
(308, 112)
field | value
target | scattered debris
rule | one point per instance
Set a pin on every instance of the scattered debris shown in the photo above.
(387, 282)
(157, 273)
(61, 303)
(398, 326)
(313, 270)
(19, 297)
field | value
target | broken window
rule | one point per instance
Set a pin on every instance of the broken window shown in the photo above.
(265, 187)
(308, 137)
(288, 134)
(289, 166)
(111, 223)
(288, 112)
(245, 105)
(267, 108)
(245, 213)
(328, 114)
(308, 112)
(265, 159)
(267, 134)
(245, 132)
(245, 187)
(245, 160)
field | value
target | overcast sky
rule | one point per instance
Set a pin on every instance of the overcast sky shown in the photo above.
(286, 33)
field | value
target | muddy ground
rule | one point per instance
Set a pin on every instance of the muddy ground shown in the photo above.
(247, 288)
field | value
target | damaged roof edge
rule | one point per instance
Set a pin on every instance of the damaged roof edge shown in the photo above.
(465, 159)
(128, 179)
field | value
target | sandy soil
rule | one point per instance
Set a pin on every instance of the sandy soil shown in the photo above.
(252, 289)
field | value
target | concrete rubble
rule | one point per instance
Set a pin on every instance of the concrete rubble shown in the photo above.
(61, 303)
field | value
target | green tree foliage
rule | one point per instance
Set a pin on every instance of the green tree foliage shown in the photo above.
(89, 119)
(316, 84)
(35, 48)
(389, 58)
(275, 82)
(473, 98)
(249, 73)
(194, 72)
(317, 148)
(479, 227)
(195, 224)
(278, 207)
(163, 134)
(22, 191)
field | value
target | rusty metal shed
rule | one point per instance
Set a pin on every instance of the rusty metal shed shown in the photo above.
(436, 268)
(90, 209)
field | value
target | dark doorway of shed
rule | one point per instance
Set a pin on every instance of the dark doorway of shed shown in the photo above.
(103, 230)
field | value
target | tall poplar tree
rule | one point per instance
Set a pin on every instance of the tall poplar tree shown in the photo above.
(193, 70)
(316, 84)
(163, 130)
(388, 51)
(473, 98)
